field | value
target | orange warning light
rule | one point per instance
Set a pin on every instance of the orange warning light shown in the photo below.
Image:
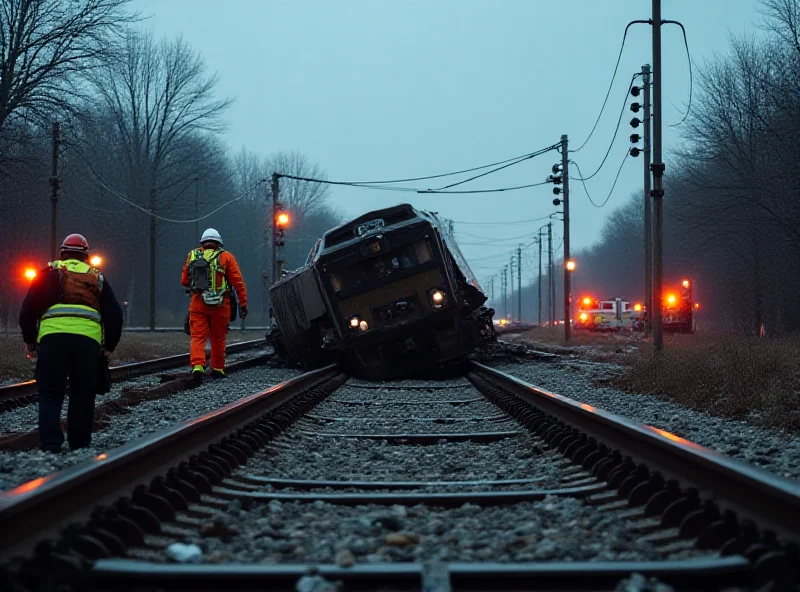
(587, 301)
(671, 299)
(685, 283)
(282, 219)
(697, 305)
(96, 261)
(637, 307)
(30, 274)
(583, 317)
(570, 265)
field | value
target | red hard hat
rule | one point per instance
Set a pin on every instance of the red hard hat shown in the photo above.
(75, 243)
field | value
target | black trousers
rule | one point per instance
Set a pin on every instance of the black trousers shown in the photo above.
(63, 355)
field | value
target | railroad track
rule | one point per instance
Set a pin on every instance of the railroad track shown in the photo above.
(479, 482)
(21, 394)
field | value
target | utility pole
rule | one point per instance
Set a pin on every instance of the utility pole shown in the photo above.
(196, 212)
(658, 173)
(551, 292)
(273, 227)
(519, 283)
(153, 259)
(648, 209)
(505, 292)
(54, 194)
(491, 288)
(511, 268)
(539, 316)
(567, 271)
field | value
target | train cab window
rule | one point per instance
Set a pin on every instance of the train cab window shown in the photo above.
(607, 306)
(382, 268)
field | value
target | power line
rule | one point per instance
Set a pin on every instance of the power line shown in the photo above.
(124, 199)
(504, 166)
(485, 166)
(610, 85)
(497, 190)
(583, 182)
(691, 75)
(501, 223)
(614, 136)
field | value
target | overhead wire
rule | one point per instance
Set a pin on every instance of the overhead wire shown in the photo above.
(500, 168)
(614, 136)
(461, 172)
(124, 199)
(611, 191)
(691, 74)
(610, 85)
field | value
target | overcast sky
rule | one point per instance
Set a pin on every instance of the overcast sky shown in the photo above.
(384, 89)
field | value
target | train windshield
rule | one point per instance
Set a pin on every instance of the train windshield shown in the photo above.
(398, 262)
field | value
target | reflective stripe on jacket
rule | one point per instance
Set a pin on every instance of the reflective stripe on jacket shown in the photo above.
(80, 283)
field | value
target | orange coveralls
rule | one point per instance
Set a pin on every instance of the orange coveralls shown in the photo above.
(213, 320)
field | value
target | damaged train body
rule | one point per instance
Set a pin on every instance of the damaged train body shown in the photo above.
(387, 294)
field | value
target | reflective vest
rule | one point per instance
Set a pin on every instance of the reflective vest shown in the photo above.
(78, 310)
(214, 295)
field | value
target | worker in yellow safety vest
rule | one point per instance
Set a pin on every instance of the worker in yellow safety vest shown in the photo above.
(68, 316)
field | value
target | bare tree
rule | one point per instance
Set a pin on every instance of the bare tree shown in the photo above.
(45, 45)
(303, 196)
(157, 95)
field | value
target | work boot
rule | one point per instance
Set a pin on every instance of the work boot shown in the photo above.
(216, 374)
(197, 374)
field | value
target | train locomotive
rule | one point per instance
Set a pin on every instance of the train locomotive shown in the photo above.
(388, 294)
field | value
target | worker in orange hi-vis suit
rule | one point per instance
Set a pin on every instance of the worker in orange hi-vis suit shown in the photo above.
(209, 273)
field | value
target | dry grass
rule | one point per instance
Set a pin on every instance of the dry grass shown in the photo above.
(726, 375)
(133, 347)
(740, 377)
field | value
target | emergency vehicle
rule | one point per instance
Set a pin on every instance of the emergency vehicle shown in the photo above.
(609, 315)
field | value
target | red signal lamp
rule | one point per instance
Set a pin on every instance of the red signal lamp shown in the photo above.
(30, 273)
(282, 219)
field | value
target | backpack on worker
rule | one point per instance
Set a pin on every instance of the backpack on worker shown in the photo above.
(203, 272)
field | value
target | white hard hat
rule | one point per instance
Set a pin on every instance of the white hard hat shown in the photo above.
(211, 235)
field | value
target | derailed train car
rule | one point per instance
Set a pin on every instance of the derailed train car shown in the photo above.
(388, 294)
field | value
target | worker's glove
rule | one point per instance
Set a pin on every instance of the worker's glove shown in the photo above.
(30, 351)
(243, 312)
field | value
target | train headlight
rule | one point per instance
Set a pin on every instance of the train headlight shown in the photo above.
(583, 317)
(363, 325)
(438, 298)
(354, 322)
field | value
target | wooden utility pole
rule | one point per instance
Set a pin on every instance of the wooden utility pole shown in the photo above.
(196, 212)
(567, 271)
(648, 208)
(274, 227)
(658, 192)
(539, 299)
(152, 259)
(54, 194)
(519, 283)
(551, 284)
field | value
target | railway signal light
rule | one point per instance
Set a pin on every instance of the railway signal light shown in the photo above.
(556, 168)
(671, 299)
(635, 91)
(637, 307)
(686, 283)
(570, 265)
(30, 273)
(635, 107)
(635, 152)
(635, 122)
(635, 138)
(282, 219)
(96, 261)
(587, 301)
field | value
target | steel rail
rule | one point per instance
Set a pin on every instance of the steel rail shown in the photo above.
(38, 509)
(656, 460)
(28, 387)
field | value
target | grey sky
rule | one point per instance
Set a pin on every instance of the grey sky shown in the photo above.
(378, 90)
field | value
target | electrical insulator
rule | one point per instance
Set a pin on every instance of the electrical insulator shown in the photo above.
(635, 138)
(635, 91)
(556, 190)
(635, 122)
(556, 169)
(556, 202)
(635, 107)
(556, 180)
(635, 152)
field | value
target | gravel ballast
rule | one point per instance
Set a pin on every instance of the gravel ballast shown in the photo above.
(769, 449)
(291, 532)
(142, 419)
